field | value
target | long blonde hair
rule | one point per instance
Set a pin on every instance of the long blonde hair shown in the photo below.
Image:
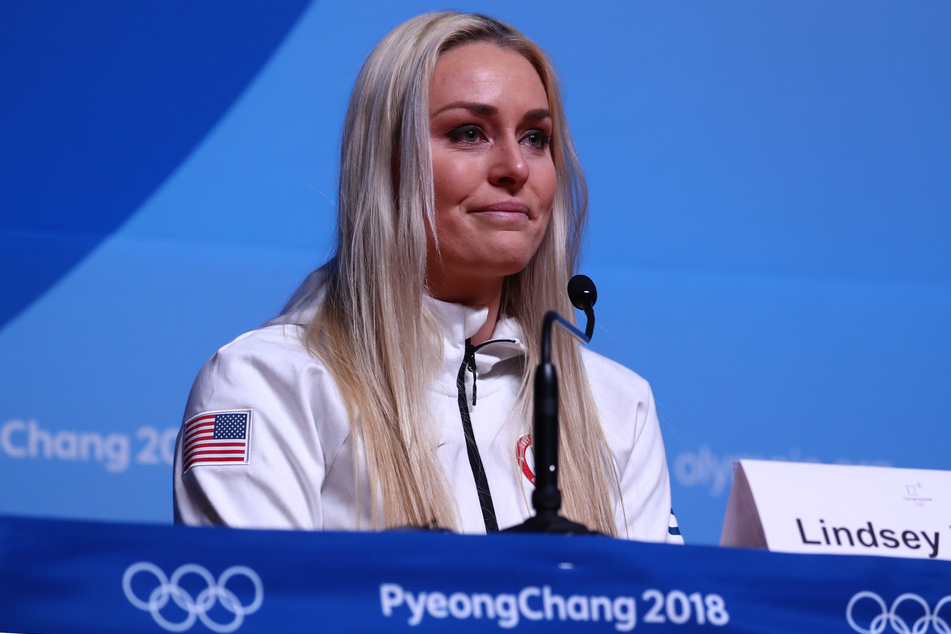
(373, 330)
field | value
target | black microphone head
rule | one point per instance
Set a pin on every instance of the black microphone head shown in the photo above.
(582, 292)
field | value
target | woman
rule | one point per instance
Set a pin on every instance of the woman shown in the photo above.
(393, 391)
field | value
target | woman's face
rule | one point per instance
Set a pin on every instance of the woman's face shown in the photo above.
(493, 172)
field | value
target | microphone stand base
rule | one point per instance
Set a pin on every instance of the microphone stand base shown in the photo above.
(551, 523)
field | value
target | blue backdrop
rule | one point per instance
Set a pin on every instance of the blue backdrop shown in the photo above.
(770, 197)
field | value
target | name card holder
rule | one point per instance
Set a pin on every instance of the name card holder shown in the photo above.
(797, 507)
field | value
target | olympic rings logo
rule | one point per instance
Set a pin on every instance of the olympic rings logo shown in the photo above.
(198, 607)
(890, 616)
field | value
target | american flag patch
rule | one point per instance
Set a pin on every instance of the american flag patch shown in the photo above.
(216, 438)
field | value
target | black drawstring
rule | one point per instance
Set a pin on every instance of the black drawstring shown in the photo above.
(472, 449)
(472, 366)
(475, 460)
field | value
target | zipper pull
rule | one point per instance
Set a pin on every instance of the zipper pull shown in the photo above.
(471, 366)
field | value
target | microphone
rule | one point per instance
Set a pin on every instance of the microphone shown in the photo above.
(546, 499)
(583, 294)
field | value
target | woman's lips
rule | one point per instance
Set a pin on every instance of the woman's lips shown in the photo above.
(504, 209)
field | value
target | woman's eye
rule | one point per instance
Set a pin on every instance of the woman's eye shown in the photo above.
(466, 134)
(536, 138)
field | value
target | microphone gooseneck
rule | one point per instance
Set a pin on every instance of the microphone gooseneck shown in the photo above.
(546, 499)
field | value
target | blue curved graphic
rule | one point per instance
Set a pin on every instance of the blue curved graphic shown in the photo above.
(99, 104)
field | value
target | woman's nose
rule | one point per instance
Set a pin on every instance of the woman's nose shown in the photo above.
(508, 167)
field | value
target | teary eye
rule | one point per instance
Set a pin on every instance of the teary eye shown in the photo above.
(466, 134)
(536, 139)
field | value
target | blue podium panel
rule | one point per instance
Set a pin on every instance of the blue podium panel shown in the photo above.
(65, 576)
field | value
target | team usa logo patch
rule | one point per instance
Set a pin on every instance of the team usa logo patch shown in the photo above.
(522, 450)
(216, 438)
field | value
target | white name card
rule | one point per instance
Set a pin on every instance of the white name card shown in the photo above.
(797, 507)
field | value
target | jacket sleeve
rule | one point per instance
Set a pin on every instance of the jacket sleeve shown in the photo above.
(648, 478)
(629, 419)
(278, 484)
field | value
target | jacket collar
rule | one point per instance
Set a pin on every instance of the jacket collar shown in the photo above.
(457, 323)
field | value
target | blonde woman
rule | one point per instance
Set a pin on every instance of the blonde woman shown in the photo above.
(394, 390)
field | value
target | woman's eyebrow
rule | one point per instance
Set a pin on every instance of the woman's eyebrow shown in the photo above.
(472, 106)
(487, 111)
(537, 115)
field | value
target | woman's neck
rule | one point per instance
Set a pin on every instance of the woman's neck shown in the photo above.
(487, 295)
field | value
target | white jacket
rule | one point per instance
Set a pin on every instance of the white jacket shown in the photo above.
(297, 470)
